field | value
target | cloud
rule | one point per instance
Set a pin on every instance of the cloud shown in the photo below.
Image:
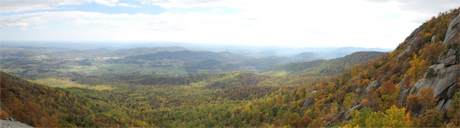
(31, 5)
(424, 6)
(217, 10)
(23, 29)
(40, 27)
(199, 3)
(151, 1)
(287, 23)
(127, 5)
(110, 3)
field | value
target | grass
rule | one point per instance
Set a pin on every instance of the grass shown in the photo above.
(169, 67)
(123, 68)
(100, 87)
(57, 82)
(63, 82)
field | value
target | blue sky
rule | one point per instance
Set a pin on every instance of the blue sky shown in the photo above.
(294, 23)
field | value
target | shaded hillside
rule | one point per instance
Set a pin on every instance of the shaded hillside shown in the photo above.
(206, 80)
(39, 105)
(343, 51)
(307, 56)
(267, 62)
(246, 92)
(210, 65)
(324, 67)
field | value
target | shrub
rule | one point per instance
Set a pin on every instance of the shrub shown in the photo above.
(430, 73)
(452, 45)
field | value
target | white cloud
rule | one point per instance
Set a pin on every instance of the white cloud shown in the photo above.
(424, 6)
(110, 3)
(23, 29)
(286, 23)
(8, 6)
(151, 1)
(217, 10)
(40, 27)
(30, 5)
(202, 3)
(127, 5)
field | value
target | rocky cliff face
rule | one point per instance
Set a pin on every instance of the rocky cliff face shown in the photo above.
(453, 30)
(443, 80)
(413, 40)
(13, 124)
(444, 73)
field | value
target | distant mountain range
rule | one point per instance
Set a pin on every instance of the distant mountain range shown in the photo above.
(326, 67)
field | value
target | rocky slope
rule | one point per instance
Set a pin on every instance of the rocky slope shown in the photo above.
(428, 58)
(443, 74)
(13, 124)
(442, 78)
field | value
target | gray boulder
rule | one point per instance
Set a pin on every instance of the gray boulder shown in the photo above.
(346, 115)
(403, 96)
(13, 124)
(452, 30)
(451, 52)
(409, 47)
(451, 91)
(401, 83)
(374, 83)
(445, 78)
(450, 60)
(442, 57)
(432, 39)
(358, 90)
(447, 105)
(439, 105)
(309, 100)
(437, 67)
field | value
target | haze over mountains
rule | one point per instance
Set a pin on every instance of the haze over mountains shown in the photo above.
(63, 60)
(259, 83)
(248, 50)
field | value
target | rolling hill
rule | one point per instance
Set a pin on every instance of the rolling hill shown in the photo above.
(189, 55)
(329, 67)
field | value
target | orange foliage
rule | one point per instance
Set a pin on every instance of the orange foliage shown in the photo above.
(387, 88)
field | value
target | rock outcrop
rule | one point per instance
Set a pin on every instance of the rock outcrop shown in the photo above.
(358, 90)
(452, 30)
(443, 80)
(13, 124)
(309, 100)
(347, 114)
(411, 44)
(374, 83)
(447, 57)
(451, 91)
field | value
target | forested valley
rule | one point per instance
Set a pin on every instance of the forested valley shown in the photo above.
(416, 85)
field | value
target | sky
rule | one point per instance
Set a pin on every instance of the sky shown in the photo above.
(290, 23)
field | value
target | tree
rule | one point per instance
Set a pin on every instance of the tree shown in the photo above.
(394, 117)
(294, 120)
(348, 100)
(431, 118)
(387, 88)
(427, 99)
(422, 101)
(454, 112)
(305, 121)
(359, 118)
